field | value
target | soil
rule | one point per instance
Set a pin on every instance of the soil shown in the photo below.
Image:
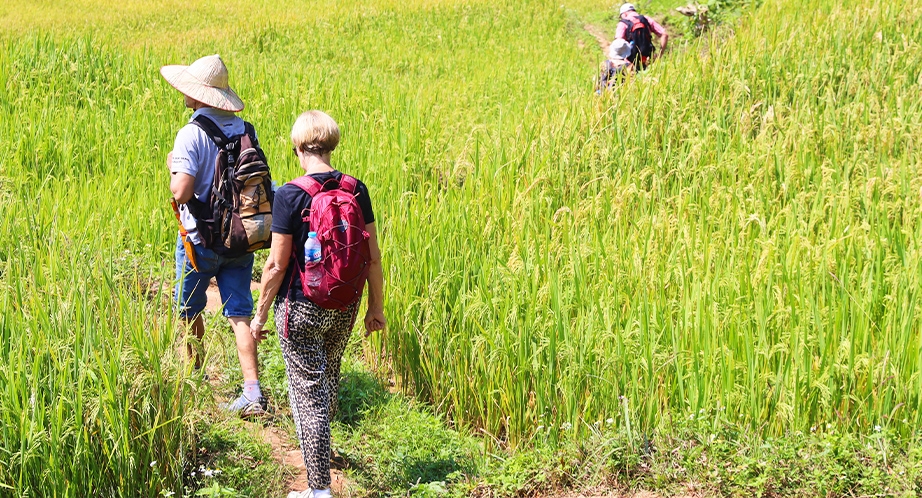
(285, 450)
(630, 494)
(287, 453)
(599, 35)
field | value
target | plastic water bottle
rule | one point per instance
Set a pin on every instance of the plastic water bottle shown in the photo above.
(312, 255)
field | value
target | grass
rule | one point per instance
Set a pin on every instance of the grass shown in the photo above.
(732, 234)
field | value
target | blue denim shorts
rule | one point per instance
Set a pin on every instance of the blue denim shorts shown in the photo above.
(233, 276)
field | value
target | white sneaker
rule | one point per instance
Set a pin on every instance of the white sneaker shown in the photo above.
(311, 493)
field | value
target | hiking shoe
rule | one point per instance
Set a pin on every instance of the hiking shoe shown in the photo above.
(247, 408)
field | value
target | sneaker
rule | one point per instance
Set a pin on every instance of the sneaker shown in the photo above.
(311, 493)
(247, 408)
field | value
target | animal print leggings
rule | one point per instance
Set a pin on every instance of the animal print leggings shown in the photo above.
(313, 351)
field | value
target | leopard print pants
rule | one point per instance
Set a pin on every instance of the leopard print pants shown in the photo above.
(313, 352)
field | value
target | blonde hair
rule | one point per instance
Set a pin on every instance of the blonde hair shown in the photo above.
(315, 132)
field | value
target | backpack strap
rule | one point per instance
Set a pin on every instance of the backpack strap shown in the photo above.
(212, 130)
(249, 130)
(349, 184)
(645, 22)
(629, 31)
(308, 184)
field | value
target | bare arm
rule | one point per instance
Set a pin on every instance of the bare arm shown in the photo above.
(183, 187)
(273, 274)
(663, 41)
(374, 317)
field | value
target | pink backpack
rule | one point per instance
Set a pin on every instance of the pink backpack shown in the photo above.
(340, 225)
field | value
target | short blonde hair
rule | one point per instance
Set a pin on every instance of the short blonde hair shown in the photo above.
(315, 132)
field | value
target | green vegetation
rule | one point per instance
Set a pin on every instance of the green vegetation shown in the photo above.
(734, 232)
(720, 260)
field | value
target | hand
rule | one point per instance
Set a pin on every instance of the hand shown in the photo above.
(257, 331)
(374, 320)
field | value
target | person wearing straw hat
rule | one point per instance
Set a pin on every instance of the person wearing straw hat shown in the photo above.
(638, 31)
(205, 89)
(616, 67)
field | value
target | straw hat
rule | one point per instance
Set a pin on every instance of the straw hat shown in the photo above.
(206, 81)
(627, 7)
(619, 49)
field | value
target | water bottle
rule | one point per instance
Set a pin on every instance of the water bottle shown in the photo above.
(312, 256)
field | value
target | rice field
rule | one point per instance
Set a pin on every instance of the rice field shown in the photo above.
(730, 240)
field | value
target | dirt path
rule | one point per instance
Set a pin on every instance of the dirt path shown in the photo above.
(286, 452)
(599, 35)
(595, 493)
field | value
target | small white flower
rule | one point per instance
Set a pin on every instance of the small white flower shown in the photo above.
(152, 464)
(168, 493)
(208, 473)
(877, 428)
(566, 426)
(610, 421)
(540, 427)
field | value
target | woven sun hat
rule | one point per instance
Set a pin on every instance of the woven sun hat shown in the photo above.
(205, 81)
(619, 49)
(627, 7)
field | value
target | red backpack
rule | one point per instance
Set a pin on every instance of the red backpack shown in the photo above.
(340, 225)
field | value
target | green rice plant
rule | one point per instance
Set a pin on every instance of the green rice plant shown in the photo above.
(730, 239)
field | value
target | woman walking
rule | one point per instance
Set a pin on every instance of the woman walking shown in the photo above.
(314, 314)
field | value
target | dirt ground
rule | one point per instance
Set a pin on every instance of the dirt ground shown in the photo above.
(285, 450)
(613, 494)
(287, 453)
(604, 42)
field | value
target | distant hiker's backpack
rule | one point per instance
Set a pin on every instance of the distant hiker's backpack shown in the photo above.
(237, 216)
(340, 225)
(639, 34)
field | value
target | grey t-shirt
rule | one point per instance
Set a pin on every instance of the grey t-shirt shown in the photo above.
(195, 154)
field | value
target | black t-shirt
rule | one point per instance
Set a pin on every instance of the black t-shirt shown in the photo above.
(290, 202)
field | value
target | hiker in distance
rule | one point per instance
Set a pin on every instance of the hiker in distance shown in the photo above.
(638, 30)
(616, 67)
(324, 248)
(205, 248)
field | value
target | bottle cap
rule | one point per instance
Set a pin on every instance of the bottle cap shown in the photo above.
(311, 235)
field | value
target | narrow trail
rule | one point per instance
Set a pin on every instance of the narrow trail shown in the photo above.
(599, 35)
(285, 451)
(632, 494)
